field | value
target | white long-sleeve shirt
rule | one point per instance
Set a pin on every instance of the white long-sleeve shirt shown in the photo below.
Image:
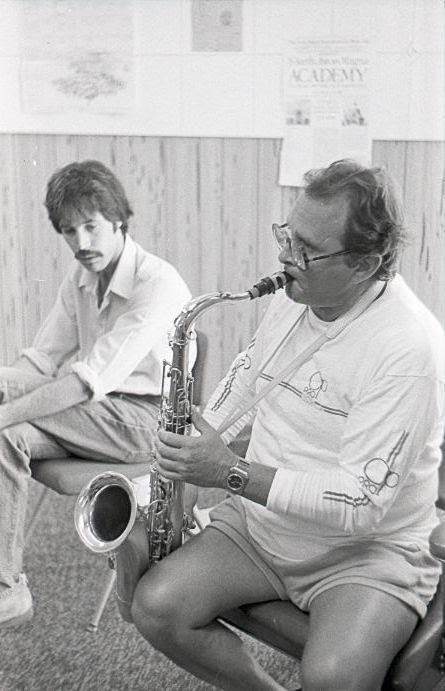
(121, 345)
(354, 433)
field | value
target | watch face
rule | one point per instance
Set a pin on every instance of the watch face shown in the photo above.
(235, 481)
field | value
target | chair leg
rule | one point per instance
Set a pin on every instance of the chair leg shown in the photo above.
(44, 495)
(106, 592)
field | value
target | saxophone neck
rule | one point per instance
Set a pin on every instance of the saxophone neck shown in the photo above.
(195, 307)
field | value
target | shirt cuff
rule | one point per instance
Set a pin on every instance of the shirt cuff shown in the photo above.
(91, 379)
(282, 493)
(40, 360)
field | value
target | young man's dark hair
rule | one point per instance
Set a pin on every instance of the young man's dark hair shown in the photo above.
(87, 186)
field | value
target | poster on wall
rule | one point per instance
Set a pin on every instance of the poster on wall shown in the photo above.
(217, 25)
(326, 106)
(77, 56)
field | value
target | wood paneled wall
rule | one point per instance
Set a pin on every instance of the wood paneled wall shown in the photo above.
(206, 205)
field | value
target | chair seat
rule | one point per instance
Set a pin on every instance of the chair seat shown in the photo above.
(419, 652)
(277, 623)
(70, 475)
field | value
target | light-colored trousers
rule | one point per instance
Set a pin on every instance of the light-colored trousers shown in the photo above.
(120, 428)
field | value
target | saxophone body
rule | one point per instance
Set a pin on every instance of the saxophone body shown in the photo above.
(138, 522)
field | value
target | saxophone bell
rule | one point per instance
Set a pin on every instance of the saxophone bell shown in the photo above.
(110, 517)
(105, 512)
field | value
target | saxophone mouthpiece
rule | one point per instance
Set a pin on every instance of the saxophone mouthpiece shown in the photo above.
(269, 285)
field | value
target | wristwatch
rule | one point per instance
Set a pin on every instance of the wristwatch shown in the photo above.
(238, 477)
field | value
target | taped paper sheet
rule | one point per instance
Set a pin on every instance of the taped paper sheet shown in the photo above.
(326, 106)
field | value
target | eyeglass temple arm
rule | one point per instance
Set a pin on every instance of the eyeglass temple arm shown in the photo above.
(326, 256)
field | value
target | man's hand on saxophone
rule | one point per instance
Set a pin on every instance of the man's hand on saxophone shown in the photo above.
(206, 461)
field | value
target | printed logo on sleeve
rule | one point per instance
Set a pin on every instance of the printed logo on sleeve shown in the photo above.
(377, 474)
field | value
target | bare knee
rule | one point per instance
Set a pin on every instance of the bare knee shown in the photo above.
(322, 674)
(156, 611)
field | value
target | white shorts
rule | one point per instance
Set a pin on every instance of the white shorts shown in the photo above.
(407, 572)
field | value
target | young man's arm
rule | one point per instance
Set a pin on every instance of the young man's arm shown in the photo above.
(22, 363)
(47, 399)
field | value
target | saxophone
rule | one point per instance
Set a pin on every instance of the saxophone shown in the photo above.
(139, 522)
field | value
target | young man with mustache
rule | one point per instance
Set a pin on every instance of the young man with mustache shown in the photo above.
(90, 383)
(334, 503)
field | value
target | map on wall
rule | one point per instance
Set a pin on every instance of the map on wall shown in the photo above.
(77, 56)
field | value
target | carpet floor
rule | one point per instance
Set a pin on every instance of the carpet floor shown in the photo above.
(54, 652)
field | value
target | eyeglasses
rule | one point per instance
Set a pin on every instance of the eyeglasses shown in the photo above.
(283, 238)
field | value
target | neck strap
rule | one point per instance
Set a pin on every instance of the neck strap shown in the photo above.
(332, 332)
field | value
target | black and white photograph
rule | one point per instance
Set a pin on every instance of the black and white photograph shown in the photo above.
(222, 345)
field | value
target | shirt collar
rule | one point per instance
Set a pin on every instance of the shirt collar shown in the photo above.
(123, 278)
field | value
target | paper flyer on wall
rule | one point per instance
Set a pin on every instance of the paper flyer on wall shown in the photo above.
(326, 105)
(77, 56)
(217, 25)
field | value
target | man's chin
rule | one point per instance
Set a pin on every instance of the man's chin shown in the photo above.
(92, 269)
(295, 293)
(93, 266)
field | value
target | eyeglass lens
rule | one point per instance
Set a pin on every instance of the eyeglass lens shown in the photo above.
(283, 237)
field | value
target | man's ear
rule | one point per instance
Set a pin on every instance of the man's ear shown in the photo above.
(367, 266)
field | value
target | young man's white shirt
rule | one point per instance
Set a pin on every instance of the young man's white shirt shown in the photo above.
(121, 345)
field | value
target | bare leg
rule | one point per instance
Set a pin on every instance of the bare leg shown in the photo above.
(355, 632)
(177, 601)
